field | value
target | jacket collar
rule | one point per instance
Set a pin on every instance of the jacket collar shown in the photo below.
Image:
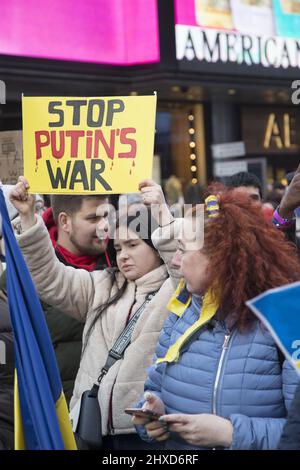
(151, 281)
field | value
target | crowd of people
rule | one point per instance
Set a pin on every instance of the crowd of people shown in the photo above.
(198, 364)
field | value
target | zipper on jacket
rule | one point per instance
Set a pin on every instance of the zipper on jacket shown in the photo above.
(110, 422)
(218, 375)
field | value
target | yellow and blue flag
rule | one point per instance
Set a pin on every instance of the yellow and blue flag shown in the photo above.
(41, 414)
(279, 310)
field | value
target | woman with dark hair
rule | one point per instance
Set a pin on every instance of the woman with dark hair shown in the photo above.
(218, 380)
(107, 301)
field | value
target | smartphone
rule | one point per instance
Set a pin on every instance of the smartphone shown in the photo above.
(142, 413)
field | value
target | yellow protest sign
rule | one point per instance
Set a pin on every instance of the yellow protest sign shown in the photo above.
(88, 145)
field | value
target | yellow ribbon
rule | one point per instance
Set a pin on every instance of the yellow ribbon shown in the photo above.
(212, 206)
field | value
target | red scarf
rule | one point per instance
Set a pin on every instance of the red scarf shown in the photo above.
(88, 263)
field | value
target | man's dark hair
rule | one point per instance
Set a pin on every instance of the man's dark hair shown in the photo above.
(69, 203)
(243, 178)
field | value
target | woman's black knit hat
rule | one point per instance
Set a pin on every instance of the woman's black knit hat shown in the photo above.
(143, 224)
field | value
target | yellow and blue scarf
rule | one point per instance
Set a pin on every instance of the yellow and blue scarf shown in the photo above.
(178, 304)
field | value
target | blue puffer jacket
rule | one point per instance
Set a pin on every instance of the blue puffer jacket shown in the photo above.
(243, 381)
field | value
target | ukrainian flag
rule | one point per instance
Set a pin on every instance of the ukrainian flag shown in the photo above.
(279, 310)
(41, 414)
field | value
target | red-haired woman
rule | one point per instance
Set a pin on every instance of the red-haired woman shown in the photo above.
(218, 380)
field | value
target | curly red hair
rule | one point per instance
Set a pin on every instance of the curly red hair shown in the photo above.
(247, 255)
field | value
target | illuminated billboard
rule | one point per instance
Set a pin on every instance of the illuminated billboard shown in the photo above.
(243, 36)
(113, 32)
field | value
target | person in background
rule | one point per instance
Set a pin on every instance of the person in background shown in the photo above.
(130, 204)
(13, 214)
(275, 195)
(218, 380)
(174, 192)
(6, 342)
(290, 439)
(47, 201)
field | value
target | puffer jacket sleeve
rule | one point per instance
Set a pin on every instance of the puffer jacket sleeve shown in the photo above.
(64, 287)
(264, 433)
(153, 381)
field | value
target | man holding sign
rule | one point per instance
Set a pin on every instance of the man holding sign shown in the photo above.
(84, 145)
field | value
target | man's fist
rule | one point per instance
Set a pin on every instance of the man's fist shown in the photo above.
(23, 202)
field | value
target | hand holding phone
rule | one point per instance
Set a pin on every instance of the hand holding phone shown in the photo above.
(139, 412)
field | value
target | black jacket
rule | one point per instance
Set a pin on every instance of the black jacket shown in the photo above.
(7, 365)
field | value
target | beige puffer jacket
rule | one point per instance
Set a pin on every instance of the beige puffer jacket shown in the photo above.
(78, 293)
